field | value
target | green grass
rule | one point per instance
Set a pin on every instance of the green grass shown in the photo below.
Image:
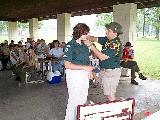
(147, 54)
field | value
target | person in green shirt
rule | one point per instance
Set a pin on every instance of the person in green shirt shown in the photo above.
(78, 70)
(109, 56)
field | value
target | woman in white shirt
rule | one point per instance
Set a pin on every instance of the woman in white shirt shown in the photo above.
(57, 52)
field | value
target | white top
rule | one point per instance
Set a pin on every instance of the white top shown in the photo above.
(56, 52)
(27, 45)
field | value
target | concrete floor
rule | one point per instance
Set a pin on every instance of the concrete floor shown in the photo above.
(44, 101)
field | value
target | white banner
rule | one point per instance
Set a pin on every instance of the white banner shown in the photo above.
(115, 110)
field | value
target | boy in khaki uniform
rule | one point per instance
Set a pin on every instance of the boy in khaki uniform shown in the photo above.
(109, 58)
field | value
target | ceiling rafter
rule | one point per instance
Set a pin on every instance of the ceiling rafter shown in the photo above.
(22, 10)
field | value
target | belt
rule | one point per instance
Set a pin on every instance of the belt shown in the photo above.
(103, 69)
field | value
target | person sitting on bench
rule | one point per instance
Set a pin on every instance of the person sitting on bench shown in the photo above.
(128, 62)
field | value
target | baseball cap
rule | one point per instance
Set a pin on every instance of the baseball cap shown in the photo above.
(116, 27)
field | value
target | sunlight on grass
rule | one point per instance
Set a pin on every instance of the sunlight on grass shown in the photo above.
(147, 55)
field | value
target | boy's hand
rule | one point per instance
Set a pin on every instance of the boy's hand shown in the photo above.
(87, 43)
(90, 76)
(91, 38)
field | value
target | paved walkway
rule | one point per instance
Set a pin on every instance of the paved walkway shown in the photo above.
(48, 102)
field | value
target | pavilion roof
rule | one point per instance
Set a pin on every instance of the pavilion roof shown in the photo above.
(22, 10)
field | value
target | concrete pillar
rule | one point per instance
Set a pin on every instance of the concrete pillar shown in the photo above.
(33, 28)
(12, 31)
(125, 14)
(63, 27)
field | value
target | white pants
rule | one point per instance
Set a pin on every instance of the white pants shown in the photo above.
(78, 84)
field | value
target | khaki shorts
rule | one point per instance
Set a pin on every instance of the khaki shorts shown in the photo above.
(110, 79)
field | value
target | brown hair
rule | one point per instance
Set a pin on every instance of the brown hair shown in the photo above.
(79, 30)
(55, 41)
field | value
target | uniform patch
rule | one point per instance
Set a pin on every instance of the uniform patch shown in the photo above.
(68, 46)
(66, 50)
(114, 45)
(64, 56)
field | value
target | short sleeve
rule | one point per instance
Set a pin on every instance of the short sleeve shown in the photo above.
(68, 53)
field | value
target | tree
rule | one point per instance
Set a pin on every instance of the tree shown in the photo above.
(104, 18)
(154, 19)
(139, 24)
(25, 26)
(3, 26)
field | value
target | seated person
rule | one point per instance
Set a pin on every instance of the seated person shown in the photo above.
(57, 52)
(13, 58)
(128, 62)
(5, 53)
(26, 63)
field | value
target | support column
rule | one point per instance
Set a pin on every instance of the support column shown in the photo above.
(63, 27)
(12, 31)
(125, 14)
(33, 28)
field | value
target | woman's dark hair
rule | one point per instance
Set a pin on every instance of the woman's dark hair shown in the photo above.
(12, 46)
(79, 30)
(55, 41)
